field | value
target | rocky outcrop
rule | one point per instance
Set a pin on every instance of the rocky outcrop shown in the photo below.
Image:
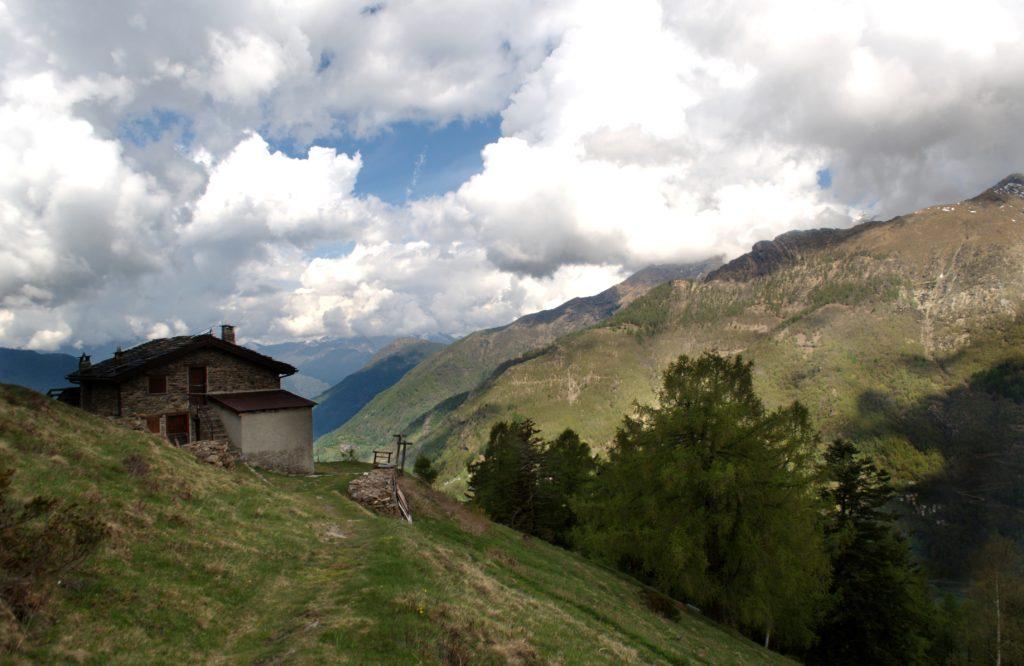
(786, 250)
(1010, 187)
(588, 310)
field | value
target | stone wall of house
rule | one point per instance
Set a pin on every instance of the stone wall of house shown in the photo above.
(100, 398)
(224, 373)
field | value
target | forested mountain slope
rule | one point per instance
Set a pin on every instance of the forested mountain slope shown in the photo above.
(905, 335)
(444, 379)
(338, 403)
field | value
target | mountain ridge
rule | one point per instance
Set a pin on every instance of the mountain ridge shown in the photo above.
(467, 362)
(338, 403)
(39, 371)
(323, 363)
(878, 329)
(783, 250)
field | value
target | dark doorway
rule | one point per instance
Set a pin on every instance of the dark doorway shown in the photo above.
(177, 428)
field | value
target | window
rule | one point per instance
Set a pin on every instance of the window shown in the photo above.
(197, 379)
(177, 428)
(158, 384)
(153, 424)
(197, 385)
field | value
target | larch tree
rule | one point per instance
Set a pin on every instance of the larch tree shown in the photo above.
(710, 498)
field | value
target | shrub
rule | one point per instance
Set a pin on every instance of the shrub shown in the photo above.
(424, 469)
(136, 465)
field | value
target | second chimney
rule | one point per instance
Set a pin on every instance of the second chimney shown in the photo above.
(227, 333)
(84, 362)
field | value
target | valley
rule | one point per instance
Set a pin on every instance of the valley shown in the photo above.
(881, 331)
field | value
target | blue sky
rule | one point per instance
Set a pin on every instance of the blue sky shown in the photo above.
(412, 160)
(406, 160)
(144, 130)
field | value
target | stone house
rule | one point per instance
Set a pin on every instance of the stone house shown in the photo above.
(201, 387)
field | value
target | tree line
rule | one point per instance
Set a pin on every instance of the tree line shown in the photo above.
(716, 501)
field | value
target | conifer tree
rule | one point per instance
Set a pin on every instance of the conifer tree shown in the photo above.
(566, 464)
(710, 498)
(504, 481)
(526, 483)
(880, 611)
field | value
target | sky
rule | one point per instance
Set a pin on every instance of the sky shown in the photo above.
(327, 169)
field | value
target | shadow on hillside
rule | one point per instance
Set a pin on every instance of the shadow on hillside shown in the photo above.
(979, 430)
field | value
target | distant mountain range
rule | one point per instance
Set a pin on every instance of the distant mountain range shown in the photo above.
(906, 336)
(337, 405)
(323, 363)
(443, 380)
(36, 370)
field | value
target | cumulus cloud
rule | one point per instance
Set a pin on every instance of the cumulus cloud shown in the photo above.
(256, 192)
(140, 195)
(409, 288)
(73, 214)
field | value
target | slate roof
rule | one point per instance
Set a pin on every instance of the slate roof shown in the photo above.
(155, 352)
(258, 401)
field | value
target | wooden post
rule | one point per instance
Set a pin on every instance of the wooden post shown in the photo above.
(401, 444)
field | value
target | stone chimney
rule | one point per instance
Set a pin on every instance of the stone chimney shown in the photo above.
(118, 353)
(84, 362)
(227, 333)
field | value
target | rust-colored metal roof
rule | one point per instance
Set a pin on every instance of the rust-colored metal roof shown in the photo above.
(259, 401)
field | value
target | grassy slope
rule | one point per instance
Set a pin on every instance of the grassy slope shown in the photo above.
(244, 567)
(864, 333)
(452, 371)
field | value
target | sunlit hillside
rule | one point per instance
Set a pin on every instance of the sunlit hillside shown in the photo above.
(243, 566)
